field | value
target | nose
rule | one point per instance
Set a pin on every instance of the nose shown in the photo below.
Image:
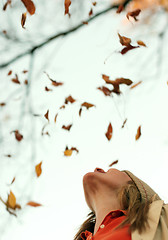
(99, 170)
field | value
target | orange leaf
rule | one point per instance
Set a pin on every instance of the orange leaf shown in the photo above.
(67, 127)
(87, 105)
(25, 81)
(63, 106)
(120, 8)
(126, 81)
(124, 40)
(23, 19)
(55, 117)
(85, 22)
(115, 162)
(16, 80)
(18, 136)
(33, 204)
(105, 90)
(141, 43)
(68, 152)
(46, 115)
(54, 83)
(136, 84)
(67, 3)
(29, 6)
(90, 12)
(38, 169)
(11, 202)
(10, 72)
(105, 77)
(134, 14)
(109, 132)
(94, 3)
(69, 99)
(24, 71)
(138, 133)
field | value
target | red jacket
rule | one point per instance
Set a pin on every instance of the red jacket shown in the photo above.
(106, 229)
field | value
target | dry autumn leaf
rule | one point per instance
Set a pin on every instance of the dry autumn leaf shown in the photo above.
(38, 169)
(54, 83)
(85, 22)
(94, 3)
(18, 136)
(126, 81)
(115, 162)
(69, 99)
(29, 6)
(24, 71)
(124, 40)
(23, 19)
(2, 104)
(16, 80)
(46, 115)
(138, 133)
(68, 152)
(120, 8)
(33, 204)
(126, 49)
(67, 127)
(109, 132)
(6, 4)
(90, 12)
(47, 89)
(141, 43)
(10, 72)
(105, 90)
(63, 106)
(80, 111)
(13, 180)
(25, 81)
(134, 14)
(124, 123)
(55, 119)
(11, 202)
(87, 105)
(67, 4)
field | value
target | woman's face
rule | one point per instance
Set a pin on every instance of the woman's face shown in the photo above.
(103, 182)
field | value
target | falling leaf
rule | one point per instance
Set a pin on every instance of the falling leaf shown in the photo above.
(67, 127)
(109, 132)
(136, 84)
(85, 22)
(25, 81)
(29, 6)
(120, 8)
(105, 90)
(94, 3)
(8, 155)
(68, 152)
(23, 19)
(69, 99)
(105, 77)
(13, 180)
(46, 115)
(4, 32)
(126, 49)
(54, 83)
(47, 89)
(16, 80)
(141, 43)
(55, 117)
(124, 123)
(10, 72)
(67, 3)
(134, 14)
(124, 40)
(38, 169)
(115, 162)
(11, 202)
(90, 12)
(126, 81)
(74, 149)
(87, 105)
(63, 106)
(6, 4)
(18, 136)
(33, 204)
(2, 104)
(138, 133)
(80, 111)
(24, 71)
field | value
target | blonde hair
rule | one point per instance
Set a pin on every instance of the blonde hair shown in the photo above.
(130, 200)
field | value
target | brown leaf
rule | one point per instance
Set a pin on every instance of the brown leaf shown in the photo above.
(26, 82)
(105, 90)
(109, 132)
(24, 71)
(46, 115)
(87, 105)
(123, 81)
(23, 19)
(115, 162)
(69, 99)
(13, 180)
(124, 40)
(2, 104)
(68, 152)
(11, 202)
(8, 155)
(4, 32)
(67, 3)
(134, 14)
(6, 4)
(54, 83)
(124, 123)
(85, 22)
(38, 169)
(33, 204)
(47, 89)
(18, 136)
(80, 111)
(94, 3)
(55, 117)
(29, 6)
(126, 49)
(136, 84)
(120, 8)
(67, 127)
(138, 133)
(141, 43)
(63, 106)
(90, 12)
(105, 77)
(10, 72)
(16, 80)
(74, 149)
(17, 206)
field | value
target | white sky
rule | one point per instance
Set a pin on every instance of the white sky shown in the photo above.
(78, 61)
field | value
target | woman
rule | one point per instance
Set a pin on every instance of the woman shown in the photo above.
(123, 207)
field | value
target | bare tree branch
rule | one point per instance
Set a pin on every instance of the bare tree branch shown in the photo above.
(33, 49)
